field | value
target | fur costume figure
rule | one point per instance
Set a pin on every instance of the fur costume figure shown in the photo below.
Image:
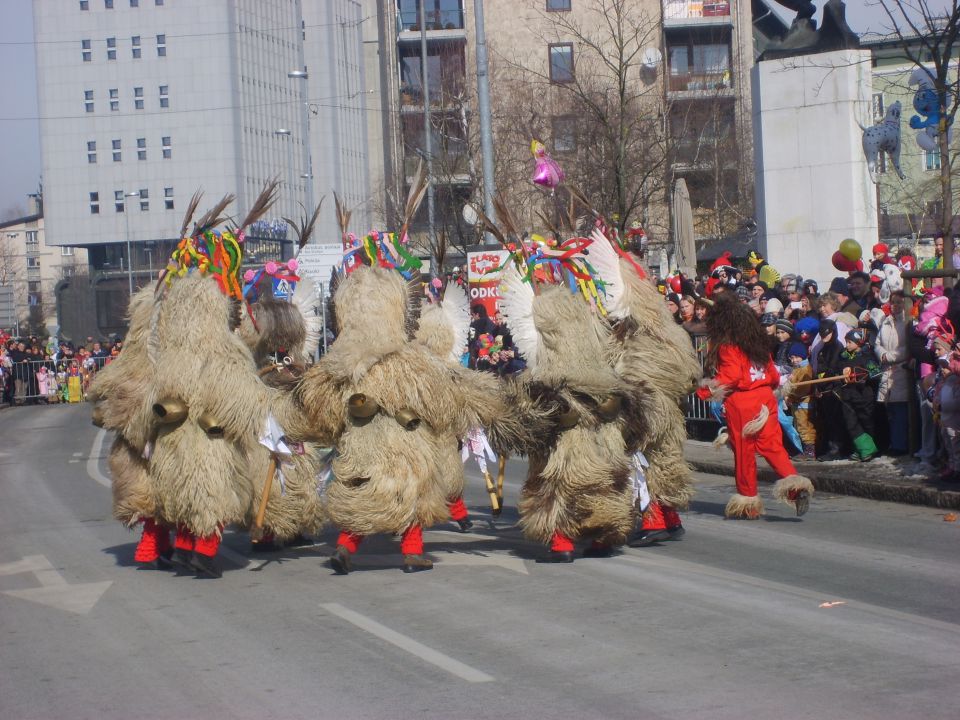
(739, 354)
(390, 405)
(579, 485)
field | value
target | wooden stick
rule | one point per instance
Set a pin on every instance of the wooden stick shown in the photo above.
(852, 377)
(268, 483)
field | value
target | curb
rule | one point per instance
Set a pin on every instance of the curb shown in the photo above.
(899, 492)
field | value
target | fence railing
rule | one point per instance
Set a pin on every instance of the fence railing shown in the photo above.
(50, 381)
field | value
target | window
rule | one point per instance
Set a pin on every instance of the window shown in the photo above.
(118, 200)
(84, 4)
(561, 62)
(108, 4)
(91, 152)
(134, 3)
(141, 148)
(85, 50)
(564, 134)
(931, 159)
(696, 67)
(32, 238)
(114, 99)
(135, 43)
(88, 100)
(167, 149)
(158, 3)
(138, 98)
(111, 48)
(33, 262)
(66, 251)
(878, 107)
(558, 5)
(161, 45)
(94, 203)
(144, 200)
(116, 151)
(164, 96)
(168, 198)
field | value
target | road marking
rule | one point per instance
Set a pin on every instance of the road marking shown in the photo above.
(674, 566)
(54, 591)
(444, 662)
(78, 454)
(234, 556)
(93, 461)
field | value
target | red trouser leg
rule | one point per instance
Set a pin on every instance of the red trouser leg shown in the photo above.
(653, 517)
(671, 517)
(560, 542)
(351, 541)
(412, 541)
(185, 540)
(149, 547)
(740, 410)
(770, 444)
(458, 511)
(208, 545)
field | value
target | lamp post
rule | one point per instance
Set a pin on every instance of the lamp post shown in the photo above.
(305, 122)
(288, 134)
(126, 220)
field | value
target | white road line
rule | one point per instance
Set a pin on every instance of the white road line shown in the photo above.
(444, 662)
(93, 461)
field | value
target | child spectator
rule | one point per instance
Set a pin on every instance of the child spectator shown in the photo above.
(947, 405)
(830, 435)
(857, 395)
(798, 398)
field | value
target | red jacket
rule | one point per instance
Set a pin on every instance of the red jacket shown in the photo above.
(737, 372)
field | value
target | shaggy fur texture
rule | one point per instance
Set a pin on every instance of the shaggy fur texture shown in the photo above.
(730, 322)
(130, 483)
(653, 351)
(279, 326)
(579, 486)
(741, 506)
(792, 483)
(756, 424)
(718, 392)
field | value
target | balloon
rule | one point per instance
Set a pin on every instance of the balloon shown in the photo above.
(844, 264)
(547, 173)
(676, 285)
(851, 250)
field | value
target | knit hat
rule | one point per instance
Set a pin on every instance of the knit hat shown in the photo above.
(673, 297)
(785, 325)
(839, 285)
(773, 306)
(810, 287)
(797, 349)
(880, 248)
(855, 336)
(807, 327)
(743, 292)
(828, 326)
(768, 319)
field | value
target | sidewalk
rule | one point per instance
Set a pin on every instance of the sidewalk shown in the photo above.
(880, 479)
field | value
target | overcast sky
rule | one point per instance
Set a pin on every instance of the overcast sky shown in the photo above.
(19, 135)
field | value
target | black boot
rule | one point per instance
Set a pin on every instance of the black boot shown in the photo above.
(465, 525)
(340, 561)
(182, 561)
(206, 566)
(676, 532)
(598, 550)
(416, 563)
(165, 560)
(561, 556)
(648, 537)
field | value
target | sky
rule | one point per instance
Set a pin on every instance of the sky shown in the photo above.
(19, 131)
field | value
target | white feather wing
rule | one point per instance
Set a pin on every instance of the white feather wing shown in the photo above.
(456, 309)
(307, 300)
(516, 306)
(604, 259)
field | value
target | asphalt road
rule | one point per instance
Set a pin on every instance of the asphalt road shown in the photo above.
(727, 623)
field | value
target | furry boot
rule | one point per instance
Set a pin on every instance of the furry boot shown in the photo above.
(795, 490)
(653, 527)
(741, 506)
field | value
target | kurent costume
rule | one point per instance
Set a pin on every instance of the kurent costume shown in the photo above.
(392, 408)
(745, 377)
(200, 411)
(579, 485)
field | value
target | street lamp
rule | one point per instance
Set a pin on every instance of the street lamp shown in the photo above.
(305, 121)
(126, 219)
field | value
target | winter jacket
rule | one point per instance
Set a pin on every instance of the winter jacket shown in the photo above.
(891, 350)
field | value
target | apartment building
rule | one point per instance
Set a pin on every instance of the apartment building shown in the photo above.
(143, 102)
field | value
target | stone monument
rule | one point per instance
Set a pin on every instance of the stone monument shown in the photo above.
(812, 184)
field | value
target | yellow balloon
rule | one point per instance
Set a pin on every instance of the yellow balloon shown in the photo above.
(851, 250)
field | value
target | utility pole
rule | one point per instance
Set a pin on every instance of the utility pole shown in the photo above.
(427, 140)
(483, 107)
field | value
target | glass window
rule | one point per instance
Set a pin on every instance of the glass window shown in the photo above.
(161, 45)
(135, 49)
(66, 251)
(158, 3)
(134, 3)
(88, 100)
(164, 96)
(108, 4)
(144, 200)
(561, 63)
(85, 51)
(558, 5)
(111, 48)
(32, 238)
(84, 4)
(91, 152)
(168, 198)
(931, 160)
(118, 201)
(114, 99)
(564, 134)
(167, 150)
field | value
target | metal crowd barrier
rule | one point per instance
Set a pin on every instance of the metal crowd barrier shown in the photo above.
(700, 419)
(49, 381)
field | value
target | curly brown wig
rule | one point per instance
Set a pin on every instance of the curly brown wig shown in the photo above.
(730, 322)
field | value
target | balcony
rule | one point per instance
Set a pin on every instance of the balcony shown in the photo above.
(696, 13)
(718, 84)
(444, 20)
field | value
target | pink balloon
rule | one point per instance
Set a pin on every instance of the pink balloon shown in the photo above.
(547, 173)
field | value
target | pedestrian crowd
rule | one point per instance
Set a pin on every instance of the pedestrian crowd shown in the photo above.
(869, 365)
(34, 371)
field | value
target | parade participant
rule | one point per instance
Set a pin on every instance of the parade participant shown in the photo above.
(390, 406)
(739, 354)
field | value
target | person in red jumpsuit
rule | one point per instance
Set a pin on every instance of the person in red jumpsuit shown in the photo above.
(739, 354)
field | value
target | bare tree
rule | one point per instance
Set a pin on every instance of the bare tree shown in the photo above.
(929, 37)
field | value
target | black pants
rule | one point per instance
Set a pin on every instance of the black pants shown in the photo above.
(858, 407)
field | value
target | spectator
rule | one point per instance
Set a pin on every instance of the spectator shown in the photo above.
(673, 305)
(798, 398)
(831, 440)
(896, 380)
(783, 331)
(687, 304)
(861, 294)
(857, 396)
(881, 257)
(830, 304)
(947, 405)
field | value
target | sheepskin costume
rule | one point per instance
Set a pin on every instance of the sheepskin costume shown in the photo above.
(745, 376)
(578, 486)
